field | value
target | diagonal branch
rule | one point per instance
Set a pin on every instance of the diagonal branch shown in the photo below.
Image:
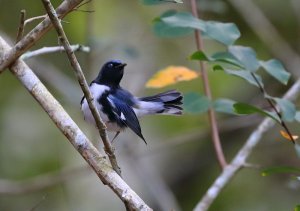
(240, 159)
(83, 84)
(73, 133)
(34, 35)
(211, 112)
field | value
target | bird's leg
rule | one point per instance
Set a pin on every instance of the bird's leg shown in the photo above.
(117, 133)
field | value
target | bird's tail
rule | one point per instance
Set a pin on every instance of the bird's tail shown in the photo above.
(168, 102)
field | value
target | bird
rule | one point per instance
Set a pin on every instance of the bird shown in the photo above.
(118, 108)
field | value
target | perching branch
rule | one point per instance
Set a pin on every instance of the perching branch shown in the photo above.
(211, 113)
(73, 133)
(83, 84)
(47, 50)
(34, 35)
(240, 159)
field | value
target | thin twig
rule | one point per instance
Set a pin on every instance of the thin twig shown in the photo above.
(274, 108)
(21, 26)
(73, 133)
(240, 159)
(29, 20)
(211, 113)
(83, 84)
(87, 11)
(89, 2)
(53, 49)
(35, 34)
(83, 3)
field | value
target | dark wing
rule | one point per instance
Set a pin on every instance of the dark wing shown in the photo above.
(127, 114)
(124, 96)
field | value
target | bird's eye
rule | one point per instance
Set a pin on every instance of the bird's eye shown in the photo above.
(110, 65)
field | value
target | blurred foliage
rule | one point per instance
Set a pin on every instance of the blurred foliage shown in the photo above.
(31, 145)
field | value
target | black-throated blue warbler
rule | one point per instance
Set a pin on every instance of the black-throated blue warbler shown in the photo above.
(120, 109)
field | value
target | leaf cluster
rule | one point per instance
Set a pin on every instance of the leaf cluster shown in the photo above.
(236, 60)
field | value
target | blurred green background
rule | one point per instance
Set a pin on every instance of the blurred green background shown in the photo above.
(178, 165)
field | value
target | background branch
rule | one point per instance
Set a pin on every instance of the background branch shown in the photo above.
(83, 84)
(211, 112)
(73, 133)
(239, 160)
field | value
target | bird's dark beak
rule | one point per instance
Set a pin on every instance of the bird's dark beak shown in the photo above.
(122, 65)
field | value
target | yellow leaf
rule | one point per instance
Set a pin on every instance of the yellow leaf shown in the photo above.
(171, 75)
(286, 136)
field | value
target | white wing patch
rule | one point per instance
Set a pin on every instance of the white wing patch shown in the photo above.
(122, 116)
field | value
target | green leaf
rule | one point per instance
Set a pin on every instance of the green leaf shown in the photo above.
(224, 57)
(153, 2)
(280, 170)
(195, 103)
(218, 68)
(297, 116)
(183, 23)
(224, 106)
(246, 56)
(244, 74)
(297, 208)
(243, 108)
(200, 55)
(165, 30)
(226, 33)
(276, 69)
(184, 19)
(287, 108)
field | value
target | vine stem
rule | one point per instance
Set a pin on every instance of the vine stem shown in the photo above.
(274, 108)
(211, 113)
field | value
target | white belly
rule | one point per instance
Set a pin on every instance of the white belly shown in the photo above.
(97, 90)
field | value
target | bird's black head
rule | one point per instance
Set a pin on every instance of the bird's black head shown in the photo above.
(111, 73)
